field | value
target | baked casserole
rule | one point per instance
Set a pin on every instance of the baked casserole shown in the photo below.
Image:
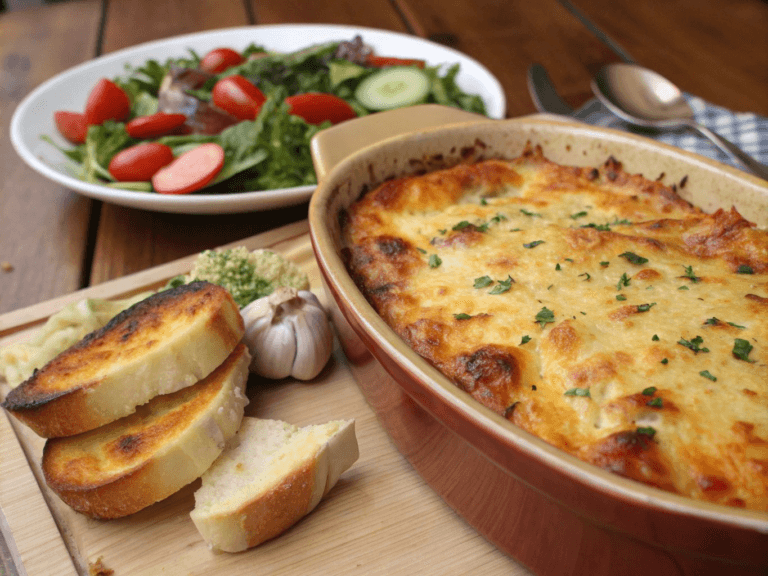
(591, 307)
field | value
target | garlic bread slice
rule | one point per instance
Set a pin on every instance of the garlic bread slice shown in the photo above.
(164, 343)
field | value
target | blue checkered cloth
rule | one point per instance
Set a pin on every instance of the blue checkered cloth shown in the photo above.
(747, 130)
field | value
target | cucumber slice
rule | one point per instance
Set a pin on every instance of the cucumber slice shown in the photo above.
(393, 87)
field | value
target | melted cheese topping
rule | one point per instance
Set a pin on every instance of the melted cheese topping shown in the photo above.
(591, 307)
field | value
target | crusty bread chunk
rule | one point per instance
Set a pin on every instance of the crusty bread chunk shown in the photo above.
(162, 344)
(275, 475)
(127, 465)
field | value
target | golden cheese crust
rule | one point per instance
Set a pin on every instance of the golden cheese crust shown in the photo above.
(594, 308)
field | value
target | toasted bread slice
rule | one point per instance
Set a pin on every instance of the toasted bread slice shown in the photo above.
(162, 344)
(275, 475)
(127, 465)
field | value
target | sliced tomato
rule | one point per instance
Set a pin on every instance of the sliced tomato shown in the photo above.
(154, 125)
(237, 96)
(106, 101)
(71, 125)
(384, 61)
(139, 163)
(220, 59)
(191, 171)
(317, 107)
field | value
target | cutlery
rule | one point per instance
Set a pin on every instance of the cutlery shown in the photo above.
(543, 93)
(645, 98)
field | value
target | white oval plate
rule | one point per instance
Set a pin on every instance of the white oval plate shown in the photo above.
(69, 90)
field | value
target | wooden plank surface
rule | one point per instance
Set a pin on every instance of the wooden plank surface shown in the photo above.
(43, 226)
(380, 519)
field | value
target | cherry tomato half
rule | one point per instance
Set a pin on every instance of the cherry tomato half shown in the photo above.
(191, 171)
(154, 125)
(220, 59)
(139, 163)
(316, 108)
(237, 96)
(71, 125)
(384, 61)
(107, 101)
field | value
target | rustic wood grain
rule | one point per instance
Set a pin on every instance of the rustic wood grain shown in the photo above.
(43, 226)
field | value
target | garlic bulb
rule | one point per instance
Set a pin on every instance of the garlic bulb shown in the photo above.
(288, 334)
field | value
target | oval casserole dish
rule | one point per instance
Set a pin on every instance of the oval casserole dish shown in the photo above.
(547, 509)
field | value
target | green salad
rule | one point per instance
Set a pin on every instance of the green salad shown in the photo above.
(260, 109)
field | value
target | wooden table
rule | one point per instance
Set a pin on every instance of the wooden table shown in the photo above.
(54, 241)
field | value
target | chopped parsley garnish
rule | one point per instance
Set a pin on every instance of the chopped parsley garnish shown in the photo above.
(655, 338)
(650, 391)
(712, 321)
(645, 307)
(604, 263)
(568, 259)
(502, 286)
(665, 361)
(623, 281)
(545, 316)
(434, 261)
(690, 275)
(498, 218)
(655, 402)
(579, 214)
(533, 244)
(443, 230)
(483, 202)
(482, 228)
(588, 277)
(462, 316)
(683, 288)
(461, 225)
(741, 349)
(736, 325)
(421, 250)
(557, 267)
(583, 392)
(647, 430)
(694, 344)
(600, 227)
(527, 213)
(525, 340)
(744, 269)
(634, 258)
(621, 297)
(482, 282)
(708, 375)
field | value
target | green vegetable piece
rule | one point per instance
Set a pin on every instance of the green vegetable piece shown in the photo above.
(502, 286)
(647, 431)
(708, 375)
(482, 282)
(634, 258)
(744, 269)
(665, 361)
(741, 349)
(582, 392)
(393, 87)
(434, 261)
(690, 275)
(655, 402)
(545, 316)
(525, 340)
(578, 215)
(650, 391)
(645, 307)
(623, 281)
(694, 344)
(655, 338)
(533, 244)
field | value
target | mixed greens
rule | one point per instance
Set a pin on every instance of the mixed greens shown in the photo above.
(272, 150)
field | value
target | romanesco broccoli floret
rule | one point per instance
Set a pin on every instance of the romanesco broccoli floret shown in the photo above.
(246, 275)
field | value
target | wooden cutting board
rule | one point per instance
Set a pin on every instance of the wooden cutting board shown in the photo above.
(381, 518)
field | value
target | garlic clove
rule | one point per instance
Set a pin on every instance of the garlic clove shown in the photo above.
(288, 334)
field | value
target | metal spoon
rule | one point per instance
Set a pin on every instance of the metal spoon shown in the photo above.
(645, 98)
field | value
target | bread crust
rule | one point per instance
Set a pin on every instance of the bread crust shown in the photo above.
(131, 463)
(306, 468)
(168, 341)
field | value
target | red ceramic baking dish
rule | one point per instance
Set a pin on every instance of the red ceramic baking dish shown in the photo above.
(547, 509)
